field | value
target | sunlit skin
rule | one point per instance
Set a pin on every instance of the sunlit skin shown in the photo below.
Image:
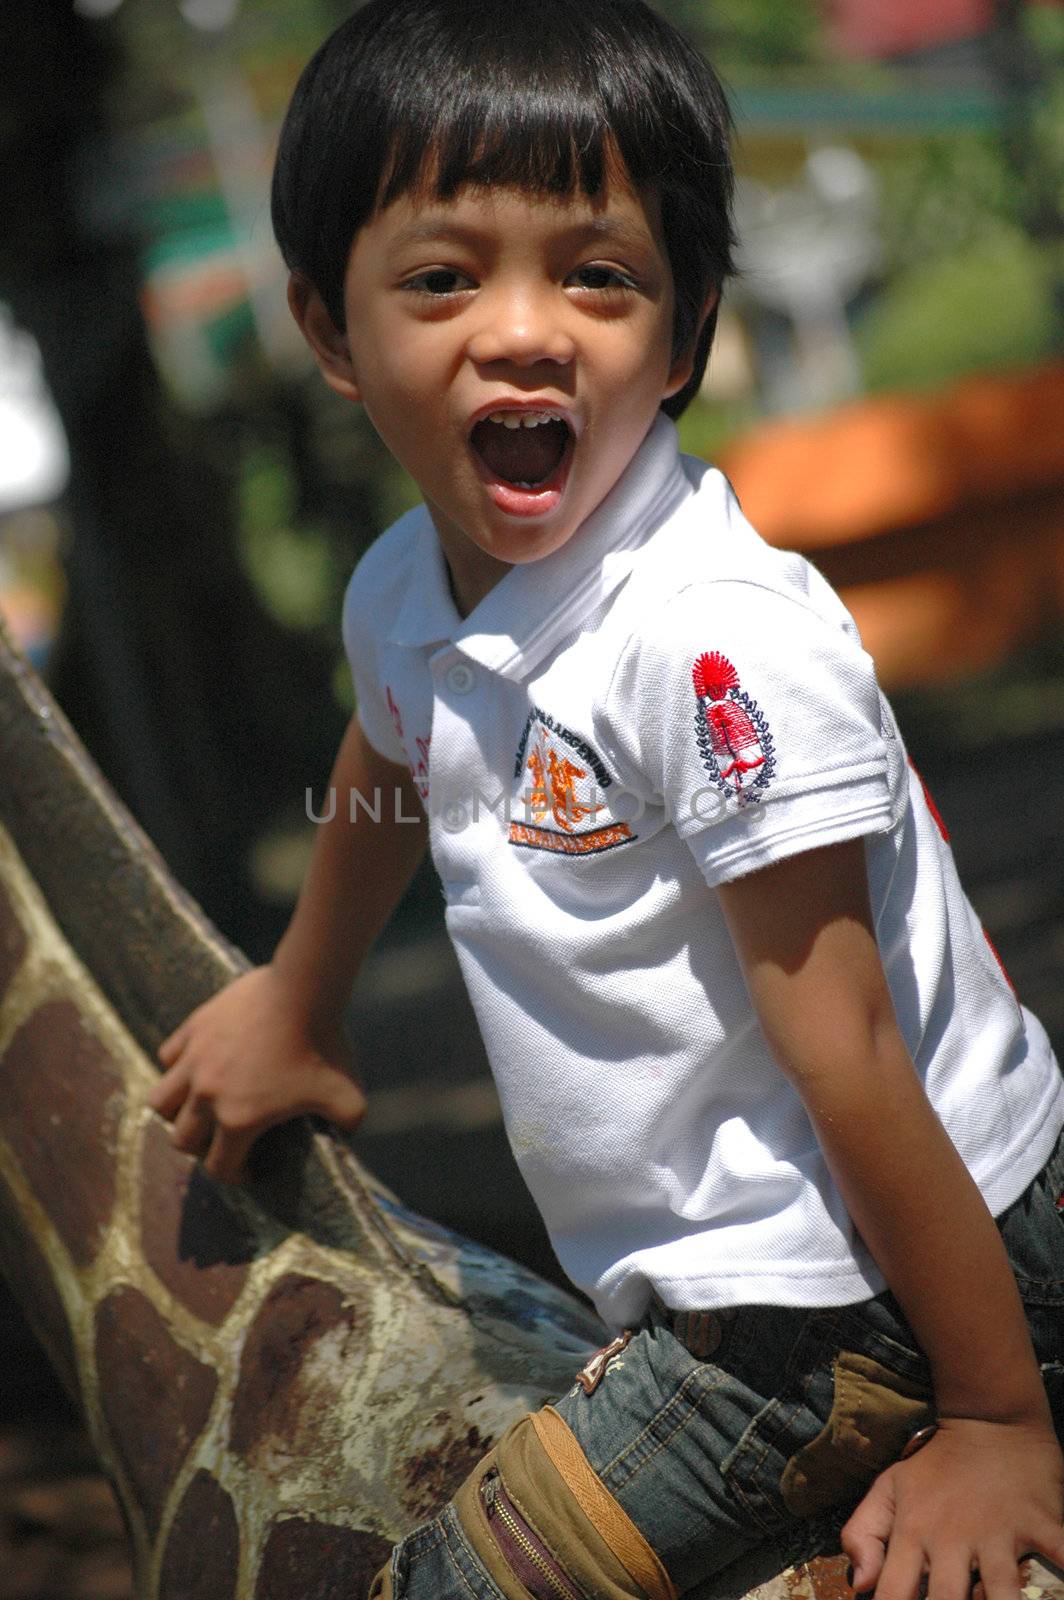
(498, 300)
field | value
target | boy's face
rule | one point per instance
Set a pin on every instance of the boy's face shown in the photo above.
(512, 352)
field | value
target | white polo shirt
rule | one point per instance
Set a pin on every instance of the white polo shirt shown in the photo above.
(662, 705)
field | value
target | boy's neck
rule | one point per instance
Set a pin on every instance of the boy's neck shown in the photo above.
(471, 573)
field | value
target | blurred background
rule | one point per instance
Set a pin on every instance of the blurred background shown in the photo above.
(182, 500)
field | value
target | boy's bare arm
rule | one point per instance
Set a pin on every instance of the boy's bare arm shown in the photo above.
(356, 877)
(270, 1045)
(990, 1485)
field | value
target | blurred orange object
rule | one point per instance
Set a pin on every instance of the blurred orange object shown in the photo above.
(940, 518)
(31, 618)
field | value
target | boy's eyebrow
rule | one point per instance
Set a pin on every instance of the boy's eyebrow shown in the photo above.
(432, 228)
(610, 230)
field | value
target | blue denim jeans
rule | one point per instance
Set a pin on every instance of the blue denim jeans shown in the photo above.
(735, 1464)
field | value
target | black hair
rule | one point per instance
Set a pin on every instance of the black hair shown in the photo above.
(537, 95)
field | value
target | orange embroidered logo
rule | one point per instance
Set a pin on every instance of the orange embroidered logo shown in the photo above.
(562, 784)
(553, 789)
(570, 844)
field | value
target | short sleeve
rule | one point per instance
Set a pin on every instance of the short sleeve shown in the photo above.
(362, 647)
(756, 721)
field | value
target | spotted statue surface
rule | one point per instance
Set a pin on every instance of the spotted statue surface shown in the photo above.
(279, 1380)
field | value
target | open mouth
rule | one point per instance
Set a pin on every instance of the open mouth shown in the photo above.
(523, 451)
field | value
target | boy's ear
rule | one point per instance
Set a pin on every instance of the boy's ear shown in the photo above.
(684, 364)
(328, 344)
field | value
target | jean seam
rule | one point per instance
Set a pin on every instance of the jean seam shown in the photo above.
(783, 1418)
(906, 1362)
(1030, 1287)
(751, 1495)
(781, 1414)
(460, 1558)
(423, 1540)
(752, 1511)
(679, 1401)
(618, 1487)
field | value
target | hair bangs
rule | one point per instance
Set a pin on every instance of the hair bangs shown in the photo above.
(542, 138)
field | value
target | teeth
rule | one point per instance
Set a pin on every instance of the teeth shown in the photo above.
(521, 419)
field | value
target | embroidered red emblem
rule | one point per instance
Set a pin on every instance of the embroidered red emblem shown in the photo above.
(419, 769)
(732, 733)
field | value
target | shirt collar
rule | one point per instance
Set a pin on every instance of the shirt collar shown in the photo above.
(428, 614)
(535, 605)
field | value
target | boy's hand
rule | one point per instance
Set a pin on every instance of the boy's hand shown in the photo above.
(244, 1061)
(978, 1497)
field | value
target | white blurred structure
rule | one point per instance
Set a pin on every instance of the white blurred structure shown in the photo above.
(806, 251)
(34, 461)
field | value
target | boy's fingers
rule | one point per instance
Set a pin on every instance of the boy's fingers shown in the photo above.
(868, 1567)
(344, 1104)
(1048, 1543)
(193, 1127)
(172, 1047)
(228, 1154)
(903, 1574)
(1051, 1544)
(950, 1578)
(999, 1572)
(864, 1538)
(168, 1095)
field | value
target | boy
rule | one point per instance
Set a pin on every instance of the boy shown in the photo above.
(710, 927)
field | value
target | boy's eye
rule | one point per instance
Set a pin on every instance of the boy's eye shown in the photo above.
(597, 276)
(438, 281)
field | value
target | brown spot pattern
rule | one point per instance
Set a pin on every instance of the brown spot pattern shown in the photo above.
(268, 1401)
(27, 1271)
(13, 942)
(190, 1236)
(203, 1551)
(825, 1575)
(313, 1561)
(60, 1111)
(434, 1473)
(155, 1395)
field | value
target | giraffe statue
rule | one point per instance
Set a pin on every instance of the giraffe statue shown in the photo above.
(279, 1380)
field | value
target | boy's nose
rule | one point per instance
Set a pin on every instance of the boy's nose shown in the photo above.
(522, 329)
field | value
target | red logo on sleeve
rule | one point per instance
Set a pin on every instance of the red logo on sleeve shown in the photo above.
(731, 731)
(419, 769)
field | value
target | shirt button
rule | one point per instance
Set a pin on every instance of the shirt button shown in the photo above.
(460, 678)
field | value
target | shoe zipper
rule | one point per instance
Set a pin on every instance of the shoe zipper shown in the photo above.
(529, 1558)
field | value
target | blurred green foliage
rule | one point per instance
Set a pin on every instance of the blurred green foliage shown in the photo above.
(965, 286)
(747, 38)
(292, 565)
(984, 306)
